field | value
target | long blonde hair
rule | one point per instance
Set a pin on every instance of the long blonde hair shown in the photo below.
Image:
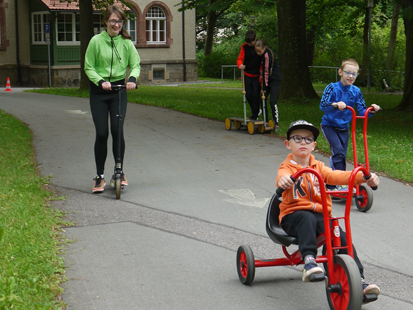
(121, 14)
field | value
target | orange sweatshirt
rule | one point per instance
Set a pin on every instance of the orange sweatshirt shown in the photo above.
(306, 194)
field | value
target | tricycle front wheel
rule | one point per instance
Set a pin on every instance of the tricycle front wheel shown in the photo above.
(245, 264)
(347, 292)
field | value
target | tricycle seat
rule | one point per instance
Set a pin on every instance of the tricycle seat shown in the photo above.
(274, 230)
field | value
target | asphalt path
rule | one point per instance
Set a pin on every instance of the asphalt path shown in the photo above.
(197, 192)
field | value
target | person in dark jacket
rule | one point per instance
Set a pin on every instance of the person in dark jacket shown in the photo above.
(270, 78)
(250, 62)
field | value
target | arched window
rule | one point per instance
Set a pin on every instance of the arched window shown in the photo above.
(155, 26)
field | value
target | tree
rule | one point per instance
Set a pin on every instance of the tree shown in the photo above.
(211, 9)
(86, 33)
(393, 36)
(296, 82)
(407, 101)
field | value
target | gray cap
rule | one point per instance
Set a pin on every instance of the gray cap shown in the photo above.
(302, 124)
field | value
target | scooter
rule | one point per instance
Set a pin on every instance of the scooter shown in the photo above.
(116, 181)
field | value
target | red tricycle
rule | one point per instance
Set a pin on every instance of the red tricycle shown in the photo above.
(342, 276)
(363, 195)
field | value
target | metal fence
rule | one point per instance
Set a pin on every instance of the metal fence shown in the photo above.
(325, 74)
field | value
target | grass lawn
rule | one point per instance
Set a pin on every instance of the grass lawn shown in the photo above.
(31, 267)
(390, 142)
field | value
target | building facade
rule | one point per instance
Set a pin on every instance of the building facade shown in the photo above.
(40, 42)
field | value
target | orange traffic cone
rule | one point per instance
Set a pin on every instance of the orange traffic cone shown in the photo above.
(8, 87)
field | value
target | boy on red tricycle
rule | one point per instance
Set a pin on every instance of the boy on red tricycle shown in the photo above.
(304, 217)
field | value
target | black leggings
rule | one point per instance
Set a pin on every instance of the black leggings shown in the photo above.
(272, 89)
(104, 104)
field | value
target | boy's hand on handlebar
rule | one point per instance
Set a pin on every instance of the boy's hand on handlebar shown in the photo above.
(285, 182)
(375, 107)
(373, 181)
(339, 105)
(242, 67)
(107, 86)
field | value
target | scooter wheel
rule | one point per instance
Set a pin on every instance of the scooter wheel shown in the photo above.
(118, 187)
(364, 201)
(271, 124)
(261, 128)
(251, 128)
(237, 125)
(228, 124)
(347, 292)
(245, 264)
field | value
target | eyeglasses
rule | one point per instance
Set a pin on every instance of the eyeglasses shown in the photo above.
(114, 22)
(351, 73)
(298, 139)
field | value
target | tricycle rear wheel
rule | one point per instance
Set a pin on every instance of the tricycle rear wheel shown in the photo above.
(347, 292)
(366, 203)
(245, 264)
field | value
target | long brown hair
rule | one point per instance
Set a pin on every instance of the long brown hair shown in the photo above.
(121, 14)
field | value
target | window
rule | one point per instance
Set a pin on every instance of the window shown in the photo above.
(158, 74)
(68, 29)
(97, 23)
(155, 26)
(38, 22)
(130, 26)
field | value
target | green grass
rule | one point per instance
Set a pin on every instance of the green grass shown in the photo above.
(31, 268)
(390, 141)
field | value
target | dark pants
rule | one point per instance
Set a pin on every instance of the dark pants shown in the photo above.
(272, 89)
(306, 226)
(338, 141)
(252, 93)
(104, 105)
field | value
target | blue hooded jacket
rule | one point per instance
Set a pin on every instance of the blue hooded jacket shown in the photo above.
(351, 95)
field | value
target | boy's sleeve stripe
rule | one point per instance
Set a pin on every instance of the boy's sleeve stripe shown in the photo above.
(325, 100)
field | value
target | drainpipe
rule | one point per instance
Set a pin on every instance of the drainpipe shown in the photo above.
(183, 42)
(19, 69)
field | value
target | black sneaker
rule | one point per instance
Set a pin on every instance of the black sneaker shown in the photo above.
(310, 270)
(99, 184)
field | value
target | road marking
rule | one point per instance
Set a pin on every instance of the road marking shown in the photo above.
(75, 111)
(244, 197)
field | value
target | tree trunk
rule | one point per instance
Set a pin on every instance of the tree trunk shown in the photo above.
(407, 101)
(365, 61)
(310, 40)
(86, 33)
(296, 82)
(211, 23)
(393, 36)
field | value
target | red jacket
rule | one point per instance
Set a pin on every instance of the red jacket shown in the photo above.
(306, 195)
(250, 59)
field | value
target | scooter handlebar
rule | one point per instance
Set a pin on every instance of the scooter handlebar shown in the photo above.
(120, 86)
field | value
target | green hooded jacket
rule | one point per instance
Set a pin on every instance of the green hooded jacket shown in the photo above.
(107, 59)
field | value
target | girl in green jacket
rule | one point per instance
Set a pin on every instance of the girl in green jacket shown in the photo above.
(107, 58)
